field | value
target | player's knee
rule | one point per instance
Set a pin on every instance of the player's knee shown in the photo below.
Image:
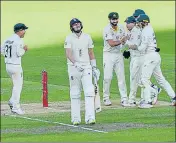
(144, 82)
(75, 92)
(89, 91)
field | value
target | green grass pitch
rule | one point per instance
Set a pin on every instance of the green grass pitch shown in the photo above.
(48, 25)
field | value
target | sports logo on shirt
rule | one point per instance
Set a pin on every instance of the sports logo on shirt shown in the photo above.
(80, 52)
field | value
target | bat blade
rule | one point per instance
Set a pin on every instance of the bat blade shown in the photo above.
(97, 99)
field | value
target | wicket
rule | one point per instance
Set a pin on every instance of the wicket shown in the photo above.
(45, 88)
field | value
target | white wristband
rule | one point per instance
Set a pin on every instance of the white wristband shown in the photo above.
(93, 62)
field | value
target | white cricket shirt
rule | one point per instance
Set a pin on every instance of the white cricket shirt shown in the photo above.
(148, 43)
(110, 33)
(79, 47)
(12, 49)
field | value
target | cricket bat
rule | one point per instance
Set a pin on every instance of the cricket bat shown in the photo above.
(97, 97)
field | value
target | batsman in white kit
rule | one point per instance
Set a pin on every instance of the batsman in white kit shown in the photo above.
(81, 67)
(136, 61)
(13, 49)
(113, 59)
(152, 62)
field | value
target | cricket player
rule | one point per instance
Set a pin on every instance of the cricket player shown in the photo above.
(152, 62)
(113, 59)
(81, 66)
(136, 61)
(13, 49)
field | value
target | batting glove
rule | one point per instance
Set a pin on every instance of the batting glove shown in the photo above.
(95, 70)
(96, 73)
(78, 66)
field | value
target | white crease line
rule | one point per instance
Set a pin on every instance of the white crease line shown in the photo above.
(45, 121)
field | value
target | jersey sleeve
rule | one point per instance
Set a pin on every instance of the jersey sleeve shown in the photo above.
(19, 48)
(67, 43)
(90, 42)
(107, 34)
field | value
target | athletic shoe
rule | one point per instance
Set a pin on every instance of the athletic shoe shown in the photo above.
(145, 105)
(10, 105)
(76, 122)
(107, 102)
(18, 111)
(173, 101)
(132, 104)
(125, 103)
(90, 121)
(97, 110)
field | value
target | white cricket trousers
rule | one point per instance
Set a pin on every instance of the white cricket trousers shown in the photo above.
(111, 62)
(16, 74)
(135, 76)
(77, 81)
(151, 66)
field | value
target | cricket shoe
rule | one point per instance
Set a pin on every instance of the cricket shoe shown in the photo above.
(154, 97)
(10, 105)
(146, 105)
(141, 101)
(97, 110)
(76, 123)
(132, 104)
(90, 121)
(107, 102)
(173, 101)
(18, 111)
(125, 103)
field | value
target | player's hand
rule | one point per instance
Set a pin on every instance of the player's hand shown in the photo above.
(123, 39)
(133, 47)
(25, 47)
(96, 73)
(126, 54)
(78, 66)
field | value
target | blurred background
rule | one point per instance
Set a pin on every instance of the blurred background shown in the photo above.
(48, 21)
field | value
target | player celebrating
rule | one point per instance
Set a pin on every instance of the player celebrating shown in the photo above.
(134, 37)
(81, 65)
(13, 49)
(152, 62)
(113, 58)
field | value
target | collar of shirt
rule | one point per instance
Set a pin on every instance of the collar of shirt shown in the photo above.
(115, 30)
(16, 36)
(74, 35)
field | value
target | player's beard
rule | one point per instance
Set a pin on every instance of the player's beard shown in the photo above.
(114, 23)
(77, 29)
